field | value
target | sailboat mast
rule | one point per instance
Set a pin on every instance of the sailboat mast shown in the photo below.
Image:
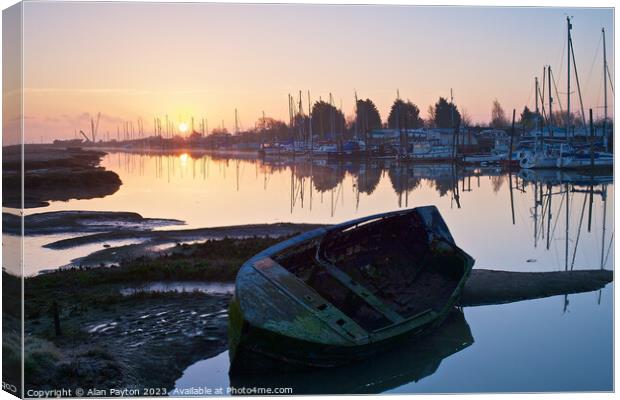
(536, 96)
(604, 82)
(236, 122)
(536, 92)
(332, 116)
(568, 26)
(550, 101)
(357, 117)
(301, 119)
(310, 122)
(290, 117)
(453, 128)
(398, 110)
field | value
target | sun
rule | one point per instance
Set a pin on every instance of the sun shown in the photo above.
(183, 159)
(182, 127)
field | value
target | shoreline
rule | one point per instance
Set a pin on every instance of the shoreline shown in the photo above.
(52, 173)
(100, 310)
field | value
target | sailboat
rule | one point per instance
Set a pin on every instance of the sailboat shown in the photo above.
(585, 159)
(545, 155)
(590, 158)
(549, 154)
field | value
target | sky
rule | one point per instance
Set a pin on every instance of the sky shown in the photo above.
(141, 60)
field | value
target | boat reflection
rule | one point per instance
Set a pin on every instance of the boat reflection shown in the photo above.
(563, 208)
(560, 177)
(411, 361)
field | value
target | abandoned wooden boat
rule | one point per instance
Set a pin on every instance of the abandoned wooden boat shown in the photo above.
(344, 293)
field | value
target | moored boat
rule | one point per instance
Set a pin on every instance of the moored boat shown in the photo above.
(271, 150)
(343, 293)
(584, 159)
(490, 158)
(539, 159)
(429, 152)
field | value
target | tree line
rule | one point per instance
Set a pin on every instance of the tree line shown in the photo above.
(326, 121)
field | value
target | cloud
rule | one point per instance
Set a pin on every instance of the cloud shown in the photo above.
(19, 118)
(115, 91)
(111, 119)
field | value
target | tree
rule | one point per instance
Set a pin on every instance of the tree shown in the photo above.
(271, 129)
(444, 114)
(367, 117)
(466, 118)
(560, 117)
(498, 116)
(194, 136)
(528, 118)
(430, 120)
(327, 120)
(219, 131)
(404, 115)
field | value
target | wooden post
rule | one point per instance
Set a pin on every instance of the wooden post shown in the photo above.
(512, 134)
(549, 197)
(591, 192)
(567, 226)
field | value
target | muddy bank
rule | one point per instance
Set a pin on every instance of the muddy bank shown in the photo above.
(487, 287)
(137, 341)
(82, 222)
(192, 152)
(113, 331)
(54, 174)
(185, 235)
(209, 261)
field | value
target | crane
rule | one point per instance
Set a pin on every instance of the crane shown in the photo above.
(85, 137)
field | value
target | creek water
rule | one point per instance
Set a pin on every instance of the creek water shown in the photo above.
(525, 221)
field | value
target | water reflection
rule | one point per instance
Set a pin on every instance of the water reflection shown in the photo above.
(412, 361)
(528, 346)
(501, 219)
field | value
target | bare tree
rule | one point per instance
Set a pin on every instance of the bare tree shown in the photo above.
(498, 116)
(465, 117)
(431, 116)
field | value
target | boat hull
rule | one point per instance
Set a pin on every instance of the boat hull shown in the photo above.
(254, 350)
(282, 319)
(538, 161)
(410, 362)
(583, 161)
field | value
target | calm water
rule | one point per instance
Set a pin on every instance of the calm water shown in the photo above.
(207, 192)
(559, 343)
(553, 344)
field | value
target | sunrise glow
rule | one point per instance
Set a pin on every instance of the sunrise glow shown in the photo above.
(66, 90)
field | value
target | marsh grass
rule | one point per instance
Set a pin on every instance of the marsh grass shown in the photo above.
(85, 295)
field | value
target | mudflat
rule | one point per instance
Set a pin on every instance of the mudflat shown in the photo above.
(52, 173)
